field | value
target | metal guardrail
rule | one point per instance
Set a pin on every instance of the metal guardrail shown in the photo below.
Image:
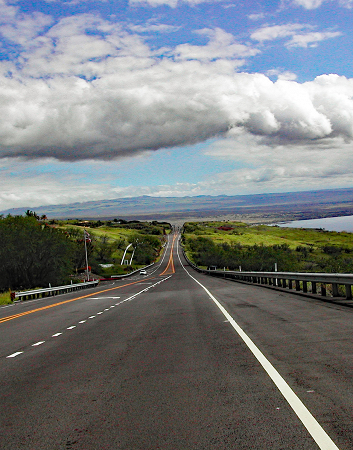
(118, 277)
(47, 292)
(300, 282)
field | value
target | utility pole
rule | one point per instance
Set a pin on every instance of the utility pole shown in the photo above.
(87, 237)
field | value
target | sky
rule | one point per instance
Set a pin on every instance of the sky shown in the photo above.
(122, 98)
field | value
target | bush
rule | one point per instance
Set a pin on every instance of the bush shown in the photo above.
(32, 254)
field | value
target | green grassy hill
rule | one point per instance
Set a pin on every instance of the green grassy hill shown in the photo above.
(231, 244)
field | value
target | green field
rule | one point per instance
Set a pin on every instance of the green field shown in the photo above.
(297, 249)
(245, 234)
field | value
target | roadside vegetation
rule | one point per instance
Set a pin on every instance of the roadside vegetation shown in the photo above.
(36, 252)
(259, 248)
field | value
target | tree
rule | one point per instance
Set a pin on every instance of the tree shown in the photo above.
(104, 249)
(30, 213)
(32, 254)
(146, 248)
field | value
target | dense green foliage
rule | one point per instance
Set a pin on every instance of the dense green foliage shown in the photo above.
(110, 239)
(232, 245)
(35, 252)
(32, 253)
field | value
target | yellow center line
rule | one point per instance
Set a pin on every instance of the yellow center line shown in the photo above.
(170, 267)
(15, 316)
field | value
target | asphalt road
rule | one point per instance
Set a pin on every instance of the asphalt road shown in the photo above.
(176, 360)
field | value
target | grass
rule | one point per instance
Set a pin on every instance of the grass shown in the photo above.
(269, 235)
(5, 298)
(113, 234)
(305, 250)
(119, 236)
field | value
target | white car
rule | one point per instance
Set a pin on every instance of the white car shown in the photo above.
(143, 272)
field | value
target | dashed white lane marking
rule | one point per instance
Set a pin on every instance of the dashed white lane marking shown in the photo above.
(319, 435)
(14, 355)
(92, 317)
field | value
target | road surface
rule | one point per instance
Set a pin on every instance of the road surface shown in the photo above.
(176, 360)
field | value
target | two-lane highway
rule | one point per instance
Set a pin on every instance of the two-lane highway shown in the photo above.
(176, 360)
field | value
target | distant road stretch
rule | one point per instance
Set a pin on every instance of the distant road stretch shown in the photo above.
(176, 360)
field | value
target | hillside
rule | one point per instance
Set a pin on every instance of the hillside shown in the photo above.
(264, 207)
(260, 247)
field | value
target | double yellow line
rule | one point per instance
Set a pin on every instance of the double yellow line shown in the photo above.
(170, 266)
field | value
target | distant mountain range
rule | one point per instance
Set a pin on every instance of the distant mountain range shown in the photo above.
(289, 206)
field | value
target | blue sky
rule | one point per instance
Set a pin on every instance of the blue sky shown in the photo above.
(110, 99)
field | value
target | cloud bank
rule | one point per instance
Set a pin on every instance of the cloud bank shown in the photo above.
(86, 88)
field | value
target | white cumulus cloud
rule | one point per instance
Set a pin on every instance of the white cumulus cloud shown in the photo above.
(272, 32)
(311, 39)
(221, 45)
(301, 35)
(88, 89)
(309, 4)
(171, 3)
(314, 4)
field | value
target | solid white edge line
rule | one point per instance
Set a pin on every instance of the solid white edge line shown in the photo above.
(316, 431)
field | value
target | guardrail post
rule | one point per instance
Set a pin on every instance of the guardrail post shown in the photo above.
(298, 281)
(323, 289)
(348, 292)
